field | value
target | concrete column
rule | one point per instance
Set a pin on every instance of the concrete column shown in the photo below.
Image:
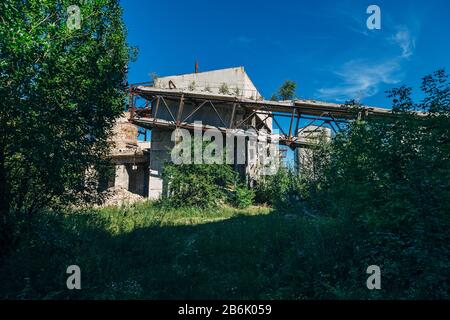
(304, 155)
(122, 179)
(159, 154)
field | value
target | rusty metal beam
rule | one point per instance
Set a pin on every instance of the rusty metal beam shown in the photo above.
(180, 110)
(150, 123)
(195, 110)
(233, 114)
(307, 107)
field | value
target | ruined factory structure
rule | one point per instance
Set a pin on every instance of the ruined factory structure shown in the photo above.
(226, 100)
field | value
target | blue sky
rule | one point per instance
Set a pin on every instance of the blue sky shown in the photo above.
(324, 46)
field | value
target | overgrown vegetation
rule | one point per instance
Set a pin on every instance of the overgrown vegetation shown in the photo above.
(285, 92)
(223, 89)
(284, 190)
(61, 89)
(206, 184)
(144, 251)
(379, 194)
(390, 180)
(198, 185)
(387, 182)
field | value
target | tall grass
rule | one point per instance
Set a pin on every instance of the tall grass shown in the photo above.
(145, 252)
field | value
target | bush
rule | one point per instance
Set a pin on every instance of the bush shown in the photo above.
(243, 197)
(389, 179)
(285, 190)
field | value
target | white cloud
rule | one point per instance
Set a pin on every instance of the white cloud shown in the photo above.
(406, 42)
(361, 78)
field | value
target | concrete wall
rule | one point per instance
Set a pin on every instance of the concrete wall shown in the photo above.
(122, 178)
(211, 81)
(303, 158)
(145, 178)
(132, 177)
(130, 158)
(236, 79)
(159, 154)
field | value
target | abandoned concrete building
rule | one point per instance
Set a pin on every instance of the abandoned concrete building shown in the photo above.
(130, 158)
(139, 164)
(224, 99)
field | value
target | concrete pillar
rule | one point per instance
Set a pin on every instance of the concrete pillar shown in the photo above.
(122, 179)
(303, 158)
(159, 154)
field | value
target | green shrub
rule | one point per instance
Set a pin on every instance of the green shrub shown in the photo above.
(389, 179)
(243, 197)
(285, 190)
(198, 185)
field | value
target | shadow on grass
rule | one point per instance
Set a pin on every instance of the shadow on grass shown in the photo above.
(268, 256)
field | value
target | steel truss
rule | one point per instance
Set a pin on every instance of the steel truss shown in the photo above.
(255, 113)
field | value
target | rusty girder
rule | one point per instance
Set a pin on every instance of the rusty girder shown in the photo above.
(255, 112)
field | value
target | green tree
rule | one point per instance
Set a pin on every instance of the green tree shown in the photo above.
(61, 87)
(389, 178)
(287, 90)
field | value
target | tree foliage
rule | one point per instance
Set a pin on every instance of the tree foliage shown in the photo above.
(386, 184)
(60, 89)
(198, 185)
(206, 184)
(287, 90)
(390, 180)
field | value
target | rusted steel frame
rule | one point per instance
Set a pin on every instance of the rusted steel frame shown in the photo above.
(335, 122)
(168, 109)
(319, 126)
(269, 114)
(254, 112)
(291, 123)
(306, 106)
(297, 124)
(195, 110)
(253, 117)
(148, 101)
(233, 114)
(324, 117)
(281, 140)
(158, 99)
(332, 127)
(168, 124)
(245, 120)
(180, 110)
(143, 131)
(306, 117)
(267, 117)
(217, 112)
(263, 108)
(276, 122)
(312, 121)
